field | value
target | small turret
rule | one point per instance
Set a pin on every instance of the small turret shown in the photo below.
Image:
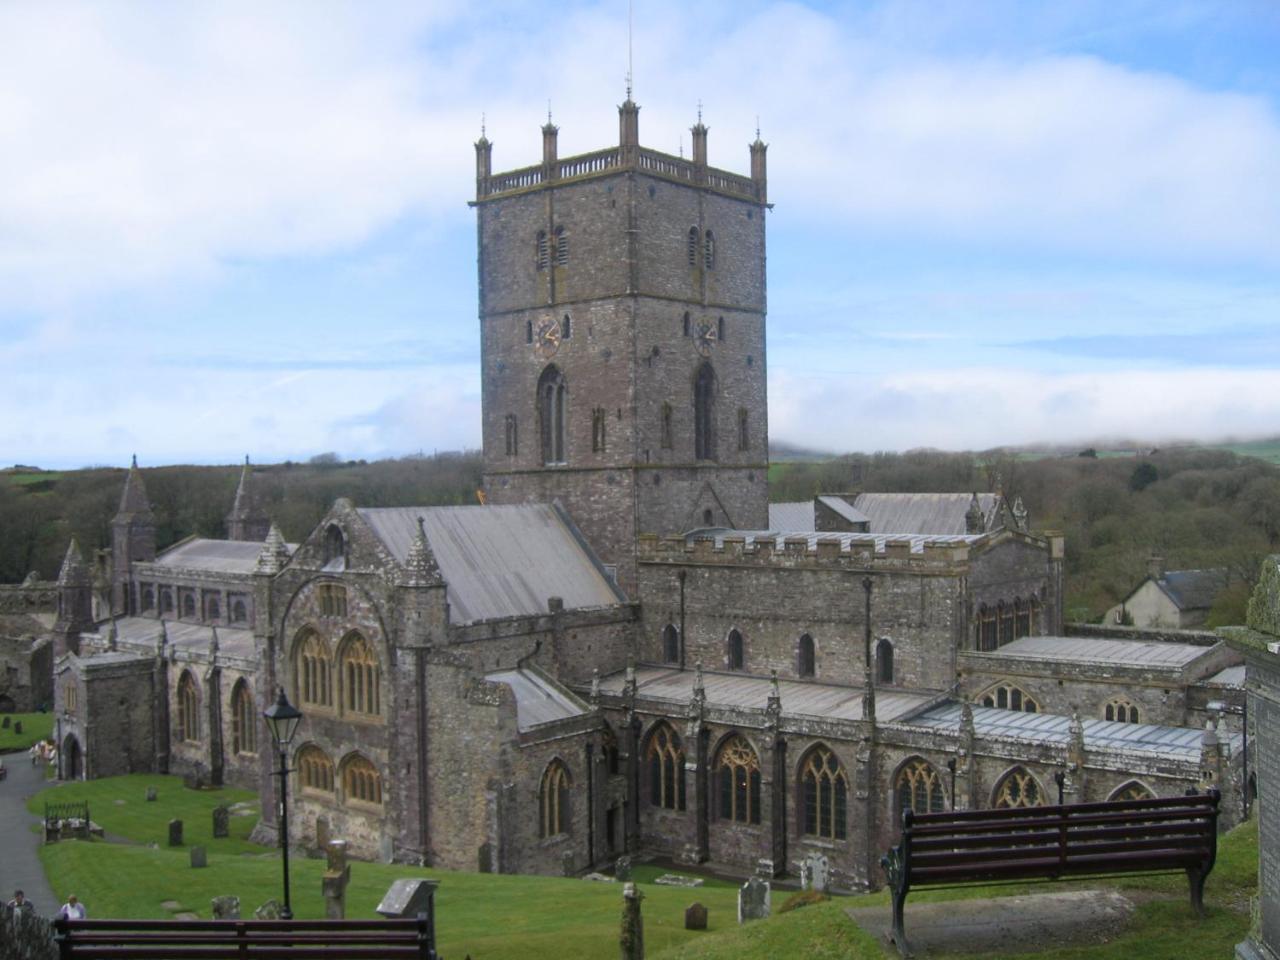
(759, 176)
(1021, 519)
(629, 129)
(484, 162)
(75, 602)
(247, 521)
(550, 132)
(133, 538)
(420, 565)
(699, 131)
(974, 520)
(275, 553)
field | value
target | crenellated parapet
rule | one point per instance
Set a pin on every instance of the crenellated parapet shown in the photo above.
(824, 550)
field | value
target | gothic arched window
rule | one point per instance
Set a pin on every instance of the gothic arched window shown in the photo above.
(312, 670)
(1007, 696)
(737, 772)
(1018, 788)
(513, 435)
(315, 769)
(1121, 710)
(335, 545)
(212, 607)
(361, 781)
(562, 247)
(693, 247)
(148, 597)
(1005, 613)
(188, 604)
(360, 676)
(735, 656)
(566, 327)
(884, 661)
(987, 634)
(709, 250)
(805, 658)
(704, 416)
(540, 255)
(188, 728)
(1021, 618)
(744, 429)
(825, 788)
(239, 611)
(244, 720)
(553, 415)
(670, 644)
(1133, 790)
(918, 788)
(166, 600)
(553, 800)
(665, 759)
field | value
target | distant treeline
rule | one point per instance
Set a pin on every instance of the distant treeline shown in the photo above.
(1194, 507)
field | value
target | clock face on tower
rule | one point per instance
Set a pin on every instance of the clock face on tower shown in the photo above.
(547, 339)
(704, 337)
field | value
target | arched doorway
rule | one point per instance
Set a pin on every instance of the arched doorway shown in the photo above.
(72, 761)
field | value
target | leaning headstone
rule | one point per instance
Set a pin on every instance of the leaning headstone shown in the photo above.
(268, 911)
(819, 869)
(221, 822)
(631, 936)
(226, 908)
(17, 726)
(198, 857)
(333, 884)
(806, 875)
(622, 868)
(408, 898)
(4, 724)
(175, 833)
(753, 900)
(695, 917)
(151, 795)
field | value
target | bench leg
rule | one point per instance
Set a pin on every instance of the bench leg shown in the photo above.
(1196, 878)
(898, 934)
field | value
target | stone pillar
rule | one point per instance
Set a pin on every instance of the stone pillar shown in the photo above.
(631, 939)
(333, 884)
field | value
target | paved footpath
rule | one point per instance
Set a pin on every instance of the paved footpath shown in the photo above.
(19, 865)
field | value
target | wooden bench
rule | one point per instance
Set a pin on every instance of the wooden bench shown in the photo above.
(218, 939)
(1070, 841)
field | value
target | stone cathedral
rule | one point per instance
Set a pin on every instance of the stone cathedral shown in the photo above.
(625, 647)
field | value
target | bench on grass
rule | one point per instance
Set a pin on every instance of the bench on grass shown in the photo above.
(217, 939)
(1068, 841)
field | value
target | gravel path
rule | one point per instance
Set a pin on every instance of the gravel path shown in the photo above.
(19, 864)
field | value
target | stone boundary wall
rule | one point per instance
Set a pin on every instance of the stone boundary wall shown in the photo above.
(30, 596)
(1106, 631)
(25, 936)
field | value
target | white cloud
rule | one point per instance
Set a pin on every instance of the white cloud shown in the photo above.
(977, 408)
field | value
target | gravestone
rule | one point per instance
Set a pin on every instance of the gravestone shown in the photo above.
(695, 917)
(322, 834)
(333, 884)
(226, 908)
(175, 833)
(631, 935)
(816, 870)
(221, 822)
(408, 898)
(1260, 644)
(268, 911)
(17, 726)
(151, 795)
(622, 868)
(4, 724)
(484, 858)
(754, 900)
(198, 857)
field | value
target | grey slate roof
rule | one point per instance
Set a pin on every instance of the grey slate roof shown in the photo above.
(746, 691)
(1182, 743)
(214, 556)
(538, 700)
(1230, 677)
(925, 514)
(1120, 652)
(499, 561)
(146, 631)
(793, 516)
(1192, 589)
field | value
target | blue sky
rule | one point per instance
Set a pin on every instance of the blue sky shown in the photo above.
(241, 228)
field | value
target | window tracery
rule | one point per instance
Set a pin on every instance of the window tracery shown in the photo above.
(737, 771)
(1018, 788)
(919, 788)
(825, 791)
(1007, 696)
(553, 800)
(665, 757)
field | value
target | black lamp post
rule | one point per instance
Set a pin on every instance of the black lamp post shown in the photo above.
(282, 719)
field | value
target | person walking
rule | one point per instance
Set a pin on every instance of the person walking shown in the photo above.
(21, 903)
(73, 909)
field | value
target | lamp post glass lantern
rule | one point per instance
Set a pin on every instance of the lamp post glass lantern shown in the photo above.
(282, 720)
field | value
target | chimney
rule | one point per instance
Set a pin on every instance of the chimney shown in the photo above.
(1155, 567)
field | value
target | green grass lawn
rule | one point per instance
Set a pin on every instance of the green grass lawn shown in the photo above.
(494, 917)
(35, 726)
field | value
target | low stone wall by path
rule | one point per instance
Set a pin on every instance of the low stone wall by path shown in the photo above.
(25, 936)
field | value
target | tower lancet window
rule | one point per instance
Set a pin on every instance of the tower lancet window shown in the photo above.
(553, 414)
(693, 248)
(598, 420)
(709, 250)
(541, 254)
(562, 247)
(566, 328)
(704, 420)
(513, 435)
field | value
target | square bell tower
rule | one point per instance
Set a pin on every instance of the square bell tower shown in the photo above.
(622, 325)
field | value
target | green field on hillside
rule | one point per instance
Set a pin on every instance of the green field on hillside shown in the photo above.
(500, 917)
(35, 726)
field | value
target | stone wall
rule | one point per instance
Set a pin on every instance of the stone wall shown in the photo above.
(26, 674)
(32, 596)
(1114, 631)
(25, 936)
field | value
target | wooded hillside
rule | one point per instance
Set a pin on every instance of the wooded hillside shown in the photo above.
(1194, 507)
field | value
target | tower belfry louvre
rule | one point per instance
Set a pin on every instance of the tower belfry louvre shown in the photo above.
(622, 303)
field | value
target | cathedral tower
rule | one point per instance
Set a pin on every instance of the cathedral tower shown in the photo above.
(622, 317)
